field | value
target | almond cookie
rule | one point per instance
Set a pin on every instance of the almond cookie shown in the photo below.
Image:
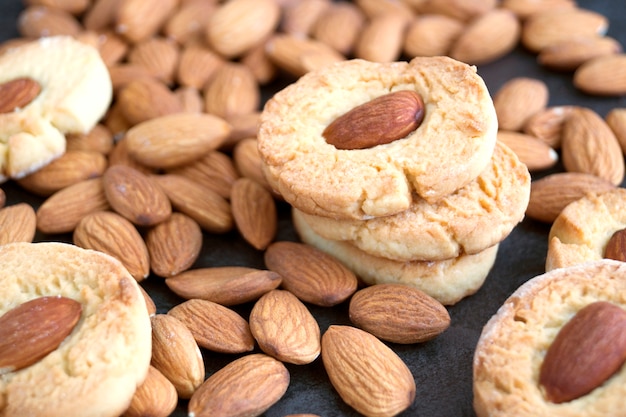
(582, 230)
(447, 281)
(451, 146)
(470, 220)
(97, 367)
(515, 372)
(55, 85)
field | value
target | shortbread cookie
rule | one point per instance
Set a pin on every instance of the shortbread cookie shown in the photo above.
(511, 349)
(96, 369)
(450, 148)
(474, 218)
(582, 230)
(75, 91)
(447, 281)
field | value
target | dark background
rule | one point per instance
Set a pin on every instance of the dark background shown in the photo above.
(443, 367)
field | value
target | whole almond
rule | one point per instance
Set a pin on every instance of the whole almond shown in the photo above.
(121, 156)
(31, 330)
(517, 100)
(18, 93)
(339, 26)
(458, 9)
(215, 171)
(260, 65)
(297, 55)
(284, 328)
(197, 65)
(616, 119)
(228, 285)
(173, 245)
(158, 55)
(70, 168)
(382, 120)
(310, 274)
(112, 47)
(188, 21)
(209, 209)
(572, 53)
(237, 25)
(39, 21)
(100, 14)
(604, 75)
(553, 26)
(525, 8)
(245, 387)
(190, 98)
(547, 125)
(145, 99)
(367, 374)
(137, 20)
(616, 246)
(299, 18)
(398, 313)
(586, 352)
(175, 139)
(231, 90)
(135, 196)
(18, 223)
(248, 162)
(589, 145)
(535, 154)
(382, 39)
(550, 194)
(98, 139)
(214, 326)
(63, 210)
(431, 35)
(156, 397)
(176, 354)
(74, 7)
(108, 232)
(487, 38)
(374, 8)
(254, 212)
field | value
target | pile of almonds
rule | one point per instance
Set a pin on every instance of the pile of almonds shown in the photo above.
(191, 76)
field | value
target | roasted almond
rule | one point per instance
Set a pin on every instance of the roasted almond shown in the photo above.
(155, 397)
(173, 245)
(398, 313)
(175, 139)
(176, 354)
(18, 223)
(310, 274)
(549, 195)
(589, 145)
(214, 326)
(616, 246)
(135, 196)
(382, 120)
(517, 100)
(586, 352)
(245, 387)
(228, 285)
(109, 232)
(18, 93)
(284, 328)
(31, 330)
(535, 154)
(367, 374)
(209, 209)
(254, 212)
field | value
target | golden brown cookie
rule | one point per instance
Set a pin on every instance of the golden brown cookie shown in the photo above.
(450, 148)
(447, 281)
(470, 220)
(96, 369)
(581, 231)
(511, 349)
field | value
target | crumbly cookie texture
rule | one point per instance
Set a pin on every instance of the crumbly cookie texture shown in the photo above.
(511, 348)
(449, 149)
(447, 281)
(472, 219)
(96, 369)
(582, 230)
(76, 92)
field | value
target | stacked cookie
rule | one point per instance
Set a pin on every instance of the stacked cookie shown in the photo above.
(425, 205)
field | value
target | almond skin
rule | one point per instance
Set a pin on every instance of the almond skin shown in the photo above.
(18, 223)
(535, 154)
(603, 75)
(35, 328)
(366, 373)
(245, 387)
(17, 93)
(310, 274)
(155, 397)
(586, 352)
(254, 212)
(284, 328)
(398, 313)
(382, 120)
(616, 246)
(214, 326)
(517, 100)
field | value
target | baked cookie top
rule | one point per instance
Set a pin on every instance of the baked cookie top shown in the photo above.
(97, 367)
(447, 281)
(449, 149)
(582, 230)
(514, 342)
(468, 221)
